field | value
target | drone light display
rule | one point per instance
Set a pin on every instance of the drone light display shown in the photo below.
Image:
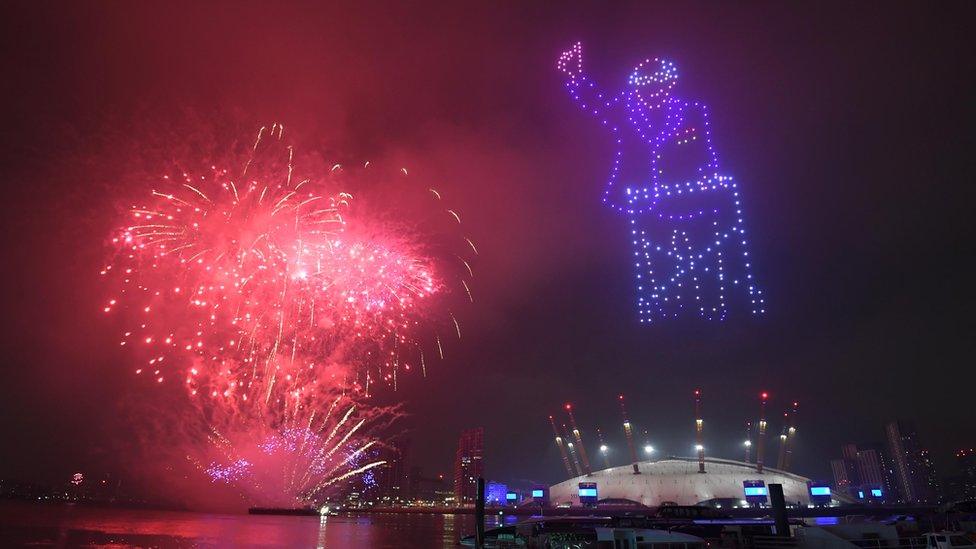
(684, 212)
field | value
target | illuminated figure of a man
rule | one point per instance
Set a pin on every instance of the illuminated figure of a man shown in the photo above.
(685, 213)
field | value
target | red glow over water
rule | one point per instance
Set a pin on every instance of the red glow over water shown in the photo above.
(75, 525)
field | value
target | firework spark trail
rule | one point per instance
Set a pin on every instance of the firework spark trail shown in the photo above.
(224, 266)
(291, 466)
(267, 298)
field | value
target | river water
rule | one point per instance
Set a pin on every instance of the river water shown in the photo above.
(52, 525)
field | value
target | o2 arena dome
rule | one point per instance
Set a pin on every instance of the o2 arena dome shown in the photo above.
(677, 480)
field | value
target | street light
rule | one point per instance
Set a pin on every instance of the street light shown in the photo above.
(648, 449)
(603, 448)
(699, 447)
(748, 443)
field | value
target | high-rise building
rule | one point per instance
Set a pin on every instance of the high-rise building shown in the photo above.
(852, 464)
(955, 488)
(414, 479)
(392, 484)
(966, 460)
(468, 465)
(428, 488)
(876, 470)
(869, 467)
(842, 474)
(932, 487)
(864, 472)
(962, 486)
(914, 471)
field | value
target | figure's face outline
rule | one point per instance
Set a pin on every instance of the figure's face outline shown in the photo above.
(652, 80)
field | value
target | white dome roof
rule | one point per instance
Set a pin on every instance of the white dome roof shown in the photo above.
(678, 480)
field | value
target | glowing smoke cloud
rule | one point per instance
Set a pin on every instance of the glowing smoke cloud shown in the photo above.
(272, 299)
(685, 213)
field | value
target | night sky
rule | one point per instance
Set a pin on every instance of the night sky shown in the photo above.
(848, 127)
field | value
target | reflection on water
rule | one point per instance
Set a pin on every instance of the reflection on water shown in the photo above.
(323, 522)
(45, 525)
(449, 530)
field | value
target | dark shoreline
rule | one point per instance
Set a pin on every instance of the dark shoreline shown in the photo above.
(106, 504)
(801, 512)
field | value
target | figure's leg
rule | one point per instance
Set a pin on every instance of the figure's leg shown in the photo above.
(649, 265)
(740, 283)
(705, 265)
(697, 271)
(678, 252)
(643, 268)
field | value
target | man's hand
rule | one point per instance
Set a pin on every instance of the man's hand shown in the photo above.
(571, 61)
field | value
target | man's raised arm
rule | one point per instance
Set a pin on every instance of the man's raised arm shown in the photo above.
(583, 90)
